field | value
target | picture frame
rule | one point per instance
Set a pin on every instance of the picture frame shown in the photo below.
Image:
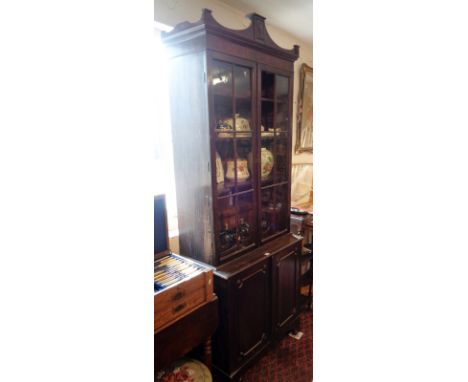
(304, 125)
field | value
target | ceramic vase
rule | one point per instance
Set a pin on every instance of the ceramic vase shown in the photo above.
(266, 161)
(242, 124)
(242, 170)
(219, 169)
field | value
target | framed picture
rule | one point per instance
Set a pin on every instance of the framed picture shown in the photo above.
(304, 141)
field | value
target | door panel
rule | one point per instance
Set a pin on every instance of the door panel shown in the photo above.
(274, 151)
(286, 287)
(252, 299)
(232, 94)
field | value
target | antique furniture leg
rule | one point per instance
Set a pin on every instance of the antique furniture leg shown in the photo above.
(310, 295)
(207, 352)
(311, 283)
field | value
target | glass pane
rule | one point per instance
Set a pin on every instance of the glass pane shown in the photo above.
(267, 213)
(246, 227)
(233, 165)
(268, 85)
(282, 105)
(274, 210)
(243, 83)
(222, 89)
(227, 223)
(281, 171)
(244, 168)
(282, 89)
(267, 161)
(282, 118)
(243, 94)
(267, 108)
(267, 104)
(236, 222)
(224, 152)
(281, 204)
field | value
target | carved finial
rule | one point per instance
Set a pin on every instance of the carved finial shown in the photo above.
(258, 23)
(251, 16)
(296, 50)
(206, 12)
(206, 16)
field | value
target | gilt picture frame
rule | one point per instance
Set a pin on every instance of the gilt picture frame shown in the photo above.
(304, 125)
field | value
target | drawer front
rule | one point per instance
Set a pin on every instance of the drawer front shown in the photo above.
(178, 301)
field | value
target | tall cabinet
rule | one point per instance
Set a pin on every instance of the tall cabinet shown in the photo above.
(231, 113)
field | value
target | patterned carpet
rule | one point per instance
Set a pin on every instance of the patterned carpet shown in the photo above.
(289, 360)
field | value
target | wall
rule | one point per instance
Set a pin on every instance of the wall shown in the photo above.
(172, 12)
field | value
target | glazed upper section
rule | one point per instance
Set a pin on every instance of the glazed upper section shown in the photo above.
(255, 36)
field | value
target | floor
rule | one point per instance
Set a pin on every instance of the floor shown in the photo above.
(289, 360)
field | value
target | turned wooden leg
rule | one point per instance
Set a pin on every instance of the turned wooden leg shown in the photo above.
(207, 352)
(310, 296)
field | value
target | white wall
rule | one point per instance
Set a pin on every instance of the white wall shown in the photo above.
(172, 12)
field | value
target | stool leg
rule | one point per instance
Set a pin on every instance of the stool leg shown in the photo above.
(207, 352)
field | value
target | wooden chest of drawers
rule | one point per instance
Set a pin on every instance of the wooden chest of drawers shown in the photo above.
(181, 286)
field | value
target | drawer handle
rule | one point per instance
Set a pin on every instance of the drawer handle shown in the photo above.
(178, 296)
(240, 284)
(179, 307)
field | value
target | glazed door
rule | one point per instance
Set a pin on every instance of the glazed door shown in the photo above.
(251, 300)
(234, 142)
(275, 106)
(285, 287)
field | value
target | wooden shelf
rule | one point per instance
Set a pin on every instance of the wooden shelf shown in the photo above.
(268, 183)
(240, 97)
(232, 210)
(273, 235)
(226, 188)
(233, 134)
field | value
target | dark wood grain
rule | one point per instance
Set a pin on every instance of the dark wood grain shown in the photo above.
(192, 160)
(286, 289)
(255, 36)
(207, 353)
(258, 303)
(193, 47)
(251, 296)
(234, 267)
(185, 334)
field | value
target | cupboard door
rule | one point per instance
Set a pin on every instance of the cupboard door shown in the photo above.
(286, 288)
(233, 129)
(251, 301)
(274, 152)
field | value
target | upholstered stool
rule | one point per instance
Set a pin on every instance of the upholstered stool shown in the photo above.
(185, 370)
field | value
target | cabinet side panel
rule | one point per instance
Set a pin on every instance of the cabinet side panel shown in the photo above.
(191, 142)
(223, 338)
